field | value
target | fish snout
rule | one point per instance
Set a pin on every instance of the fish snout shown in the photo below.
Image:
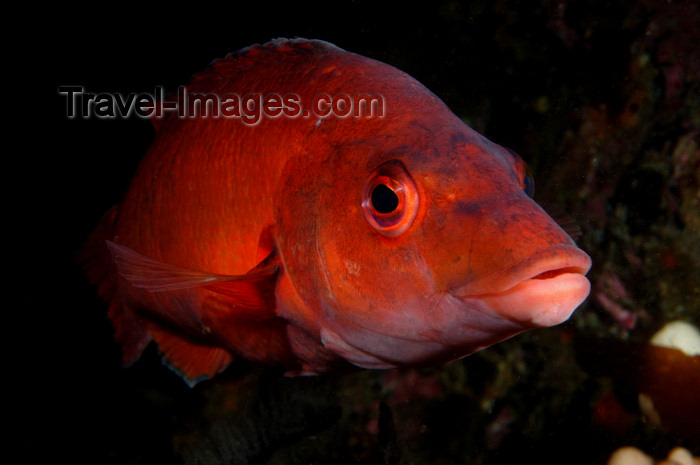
(540, 291)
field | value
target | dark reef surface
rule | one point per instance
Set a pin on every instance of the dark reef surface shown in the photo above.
(601, 98)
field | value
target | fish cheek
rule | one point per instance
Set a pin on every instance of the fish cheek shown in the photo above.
(446, 241)
(372, 281)
(344, 272)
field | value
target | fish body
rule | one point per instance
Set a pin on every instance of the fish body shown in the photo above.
(401, 239)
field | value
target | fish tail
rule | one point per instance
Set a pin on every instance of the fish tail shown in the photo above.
(130, 330)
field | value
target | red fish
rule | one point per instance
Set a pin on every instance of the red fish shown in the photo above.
(305, 240)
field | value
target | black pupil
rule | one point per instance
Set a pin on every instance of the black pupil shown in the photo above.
(384, 200)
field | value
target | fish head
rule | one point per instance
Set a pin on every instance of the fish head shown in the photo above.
(415, 241)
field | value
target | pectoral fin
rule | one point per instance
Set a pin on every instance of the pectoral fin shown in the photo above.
(181, 321)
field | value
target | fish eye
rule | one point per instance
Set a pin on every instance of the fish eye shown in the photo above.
(529, 184)
(390, 199)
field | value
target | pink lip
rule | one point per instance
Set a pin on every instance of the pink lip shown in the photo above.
(542, 290)
(547, 263)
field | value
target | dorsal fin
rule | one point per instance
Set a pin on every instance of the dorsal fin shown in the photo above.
(240, 60)
(219, 71)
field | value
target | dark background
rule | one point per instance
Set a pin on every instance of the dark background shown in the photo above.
(520, 72)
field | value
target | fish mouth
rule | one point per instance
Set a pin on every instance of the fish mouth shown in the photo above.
(541, 290)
